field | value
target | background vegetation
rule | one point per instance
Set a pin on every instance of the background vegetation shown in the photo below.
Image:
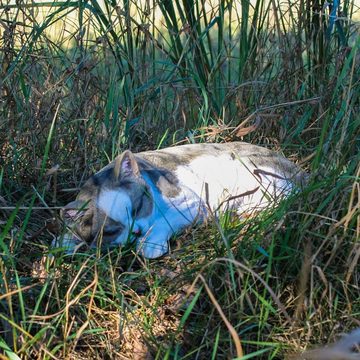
(82, 80)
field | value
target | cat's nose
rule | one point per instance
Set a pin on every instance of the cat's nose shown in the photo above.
(136, 232)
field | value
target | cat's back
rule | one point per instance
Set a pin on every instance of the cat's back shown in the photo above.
(213, 157)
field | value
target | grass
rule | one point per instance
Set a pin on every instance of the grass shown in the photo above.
(82, 81)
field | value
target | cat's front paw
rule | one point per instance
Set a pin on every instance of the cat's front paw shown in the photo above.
(151, 249)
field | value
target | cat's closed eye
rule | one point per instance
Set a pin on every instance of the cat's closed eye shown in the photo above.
(112, 230)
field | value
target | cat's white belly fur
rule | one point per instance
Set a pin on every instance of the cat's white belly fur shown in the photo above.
(215, 184)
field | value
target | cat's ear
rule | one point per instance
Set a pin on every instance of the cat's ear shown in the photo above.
(73, 210)
(126, 165)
